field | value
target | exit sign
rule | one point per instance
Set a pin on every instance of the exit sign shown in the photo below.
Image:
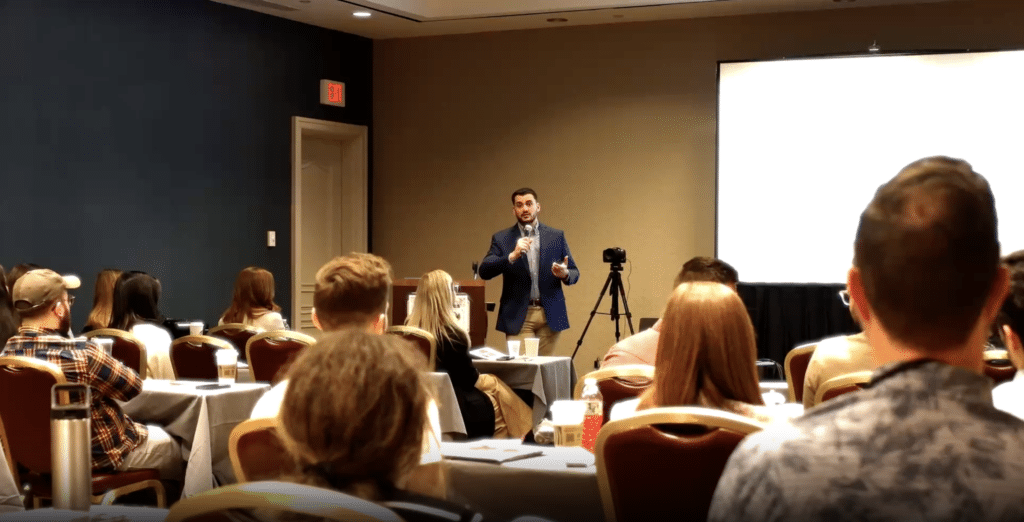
(332, 93)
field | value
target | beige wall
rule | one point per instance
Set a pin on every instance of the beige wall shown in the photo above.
(614, 126)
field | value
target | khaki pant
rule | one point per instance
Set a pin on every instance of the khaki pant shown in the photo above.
(160, 452)
(536, 325)
(513, 419)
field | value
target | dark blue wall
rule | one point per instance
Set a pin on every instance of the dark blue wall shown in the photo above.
(155, 135)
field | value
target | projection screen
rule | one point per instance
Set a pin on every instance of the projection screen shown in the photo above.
(803, 144)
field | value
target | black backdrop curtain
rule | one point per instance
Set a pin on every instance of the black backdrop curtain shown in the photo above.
(788, 315)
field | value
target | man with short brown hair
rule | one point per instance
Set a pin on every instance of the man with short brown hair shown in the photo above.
(352, 291)
(923, 440)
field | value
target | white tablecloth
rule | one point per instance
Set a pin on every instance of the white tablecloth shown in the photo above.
(541, 486)
(548, 378)
(202, 419)
(452, 423)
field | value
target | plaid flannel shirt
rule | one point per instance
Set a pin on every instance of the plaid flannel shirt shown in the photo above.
(114, 435)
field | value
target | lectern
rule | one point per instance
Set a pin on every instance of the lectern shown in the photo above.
(477, 312)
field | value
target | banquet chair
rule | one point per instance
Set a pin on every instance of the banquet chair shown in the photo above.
(796, 364)
(840, 385)
(195, 356)
(268, 353)
(664, 463)
(25, 384)
(278, 501)
(237, 333)
(423, 340)
(256, 452)
(7, 453)
(998, 366)
(618, 383)
(126, 348)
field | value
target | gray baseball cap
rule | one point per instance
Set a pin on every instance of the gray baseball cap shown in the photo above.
(37, 288)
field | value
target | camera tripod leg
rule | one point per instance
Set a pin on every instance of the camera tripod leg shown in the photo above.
(592, 313)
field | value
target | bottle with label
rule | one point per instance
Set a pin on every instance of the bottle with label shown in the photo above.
(593, 416)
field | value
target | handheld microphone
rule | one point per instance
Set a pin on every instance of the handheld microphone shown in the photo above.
(529, 230)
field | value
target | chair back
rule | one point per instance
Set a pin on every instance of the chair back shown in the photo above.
(617, 383)
(127, 348)
(195, 356)
(281, 499)
(664, 463)
(840, 385)
(25, 384)
(646, 322)
(256, 452)
(271, 352)
(237, 334)
(797, 361)
(424, 341)
(998, 366)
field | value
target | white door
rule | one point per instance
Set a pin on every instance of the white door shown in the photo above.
(329, 213)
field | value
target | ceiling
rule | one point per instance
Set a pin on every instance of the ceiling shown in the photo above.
(411, 18)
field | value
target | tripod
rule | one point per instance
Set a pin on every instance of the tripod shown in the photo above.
(612, 285)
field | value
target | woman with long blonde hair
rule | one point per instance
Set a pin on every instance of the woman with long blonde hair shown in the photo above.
(706, 355)
(489, 407)
(253, 301)
(102, 300)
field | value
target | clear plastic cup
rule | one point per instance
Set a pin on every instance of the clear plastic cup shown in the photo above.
(532, 346)
(227, 365)
(195, 328)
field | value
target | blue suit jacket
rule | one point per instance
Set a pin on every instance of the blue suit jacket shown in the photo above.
(515, 286)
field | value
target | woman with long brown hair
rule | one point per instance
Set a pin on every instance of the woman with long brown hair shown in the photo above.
(253, 301)
(352, 420)
(706, 355)
(489, 407)
(102, 300)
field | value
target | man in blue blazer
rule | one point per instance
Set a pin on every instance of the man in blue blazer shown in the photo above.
(535, 262)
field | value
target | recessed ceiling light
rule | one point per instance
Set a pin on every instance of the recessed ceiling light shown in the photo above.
(558, 20)
(361, 14)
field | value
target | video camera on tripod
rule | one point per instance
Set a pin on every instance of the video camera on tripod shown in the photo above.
(613, 285)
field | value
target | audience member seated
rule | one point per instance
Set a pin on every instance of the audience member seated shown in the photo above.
(9, 320)
(17, 271)
(102, 300)
(136, 310)
(642, 347)
(1009, 396)
(489, 407)
(837, 356)
(118, 443)
(253, 302)
(706, 356)
(351, 293)
(923, 441)
(366, 440)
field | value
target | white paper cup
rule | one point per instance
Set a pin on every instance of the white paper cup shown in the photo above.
(567, 418)
(532, 346)
(195, 328)
(513, 348)
(227, 365)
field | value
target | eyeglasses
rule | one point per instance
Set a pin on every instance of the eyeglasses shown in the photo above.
(844, 296)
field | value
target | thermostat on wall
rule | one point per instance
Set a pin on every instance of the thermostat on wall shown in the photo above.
(332, 93)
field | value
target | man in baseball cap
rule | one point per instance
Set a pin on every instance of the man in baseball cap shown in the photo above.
(118, 443)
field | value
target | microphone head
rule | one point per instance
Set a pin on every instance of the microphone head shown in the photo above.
(528, 229)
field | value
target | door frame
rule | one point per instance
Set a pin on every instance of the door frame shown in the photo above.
(355, 193)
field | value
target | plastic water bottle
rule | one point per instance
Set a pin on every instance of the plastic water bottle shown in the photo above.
(593, 416)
